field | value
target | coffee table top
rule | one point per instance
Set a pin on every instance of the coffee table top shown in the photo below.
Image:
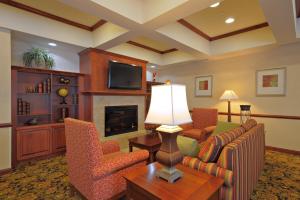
(146, 140)
(193, 185)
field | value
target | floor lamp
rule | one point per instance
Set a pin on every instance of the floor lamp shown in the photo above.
(229, 95)
(168, 108)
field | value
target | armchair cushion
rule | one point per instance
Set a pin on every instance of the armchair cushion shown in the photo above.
(187, 126)
(188, 146)
(110, 146)
(193, 133)
(119, 161)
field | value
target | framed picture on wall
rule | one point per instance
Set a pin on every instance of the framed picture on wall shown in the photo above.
(271, 82)
(203, 86)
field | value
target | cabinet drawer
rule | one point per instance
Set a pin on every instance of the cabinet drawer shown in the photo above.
(33, 142)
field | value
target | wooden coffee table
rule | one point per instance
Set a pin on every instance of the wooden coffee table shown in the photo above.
(194, 185)
(150, 142)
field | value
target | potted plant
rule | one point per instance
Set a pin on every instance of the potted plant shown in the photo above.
(37, 57)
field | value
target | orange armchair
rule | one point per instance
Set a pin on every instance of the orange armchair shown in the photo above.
(96, 169)
(204, 123)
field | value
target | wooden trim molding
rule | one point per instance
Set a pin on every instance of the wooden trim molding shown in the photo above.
(207, 37)
(282, 150)
(265, 116)
(5, 125)
(51, 16)
(243, 30)
(150, 48)
(5, 171)
(98, 24)
(194, 29)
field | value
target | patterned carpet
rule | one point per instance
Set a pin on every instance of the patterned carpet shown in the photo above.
(47, 179)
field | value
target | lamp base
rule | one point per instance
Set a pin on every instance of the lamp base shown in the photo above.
(169, 154)
(170, 174)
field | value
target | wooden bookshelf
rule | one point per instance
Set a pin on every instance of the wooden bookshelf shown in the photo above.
(47, 136)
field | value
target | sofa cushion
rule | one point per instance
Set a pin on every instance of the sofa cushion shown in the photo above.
(193, 133)
(214, 144)
(209, 168)
(250, 123)
(224, 126)
(188, 146)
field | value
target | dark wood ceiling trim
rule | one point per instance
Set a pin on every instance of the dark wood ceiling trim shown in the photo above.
(244, 30)
(297, 2)
(51, 16)
(150, 48)
(98, 24)
(194, 29)
(207, 37)
(169, 50)
(144, 46)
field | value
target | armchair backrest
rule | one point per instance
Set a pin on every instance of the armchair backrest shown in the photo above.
(204, 117)
(83, 154)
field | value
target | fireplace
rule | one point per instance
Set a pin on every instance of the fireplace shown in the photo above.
(120, 119)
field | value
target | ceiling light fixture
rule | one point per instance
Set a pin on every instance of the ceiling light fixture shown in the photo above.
(215, 5)
(52, 44)
(229, 20)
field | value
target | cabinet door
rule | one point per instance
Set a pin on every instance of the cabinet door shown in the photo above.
(33, 142)
(58, 139)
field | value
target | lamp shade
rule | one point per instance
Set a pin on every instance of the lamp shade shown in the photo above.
(229, 95)
(168, 105)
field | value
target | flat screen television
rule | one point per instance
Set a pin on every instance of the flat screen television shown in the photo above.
(124, 76)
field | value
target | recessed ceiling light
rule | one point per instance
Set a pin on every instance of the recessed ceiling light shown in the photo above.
(215, 5)
(229, 20)
(152, 66)
(52, 44)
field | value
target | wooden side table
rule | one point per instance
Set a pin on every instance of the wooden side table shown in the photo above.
(194, 185)
(150, 142)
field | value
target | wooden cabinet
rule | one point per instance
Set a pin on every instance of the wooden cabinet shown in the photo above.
(58, 139)
(33, 142)
(41, 140)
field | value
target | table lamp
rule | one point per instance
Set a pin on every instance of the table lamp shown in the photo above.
(229, 95)
(168, 107)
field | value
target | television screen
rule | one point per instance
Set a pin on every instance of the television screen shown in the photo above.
(124, 76)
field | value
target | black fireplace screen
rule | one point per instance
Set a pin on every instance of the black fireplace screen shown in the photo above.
(120, 119)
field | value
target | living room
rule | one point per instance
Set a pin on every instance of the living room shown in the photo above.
(220, 74)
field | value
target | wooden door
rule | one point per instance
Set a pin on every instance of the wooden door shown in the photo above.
(58, 138)
(33, 142)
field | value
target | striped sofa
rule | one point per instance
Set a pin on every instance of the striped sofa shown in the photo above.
(237, 156)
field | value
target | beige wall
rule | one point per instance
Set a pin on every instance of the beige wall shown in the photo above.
(5, 98)
(238, 74)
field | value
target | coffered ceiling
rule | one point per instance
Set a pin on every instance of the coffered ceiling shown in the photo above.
(164, 32)
(211, 20)
(57, 8)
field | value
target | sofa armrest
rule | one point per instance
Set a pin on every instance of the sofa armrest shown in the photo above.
(120, 162)
(209, 168)
(110, 146)
(187, 126)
